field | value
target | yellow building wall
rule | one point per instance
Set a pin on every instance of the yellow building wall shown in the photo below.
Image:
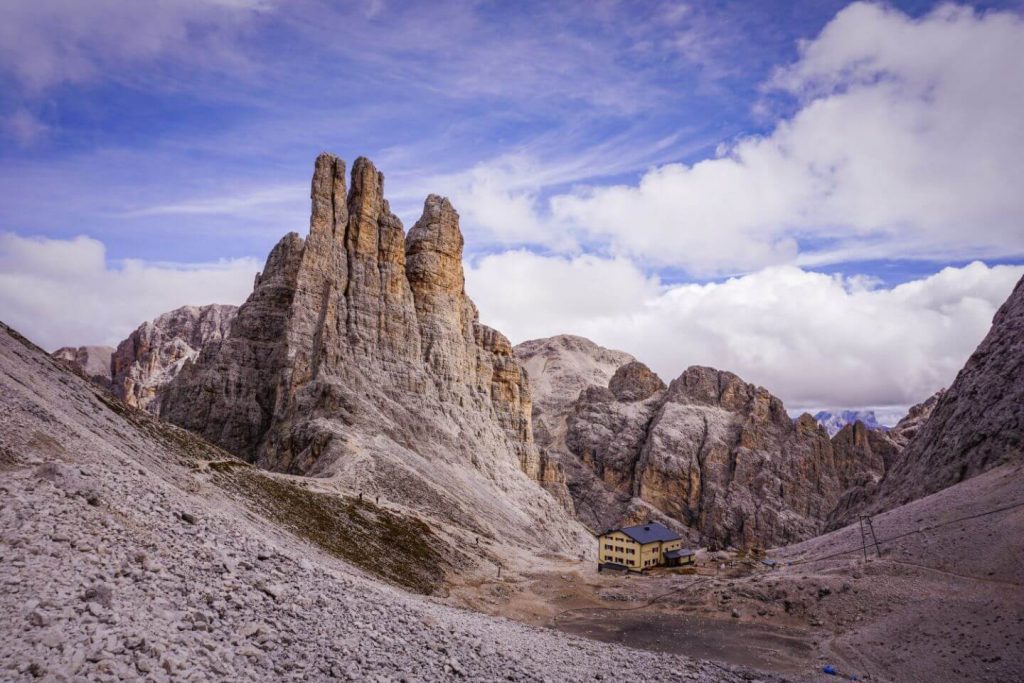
(623, 550)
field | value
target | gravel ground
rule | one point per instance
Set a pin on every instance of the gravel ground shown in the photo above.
(120, 562)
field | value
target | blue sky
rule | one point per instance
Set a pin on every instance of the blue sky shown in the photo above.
(664, 144)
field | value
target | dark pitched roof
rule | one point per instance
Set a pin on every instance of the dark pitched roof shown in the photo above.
(650, 532)
(684, 552)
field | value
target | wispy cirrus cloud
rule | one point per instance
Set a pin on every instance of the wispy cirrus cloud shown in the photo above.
(238, 205)
(45, 43)
(24, 127)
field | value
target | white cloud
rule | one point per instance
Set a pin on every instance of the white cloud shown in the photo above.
(63, 293)
(905, 145)
(813, 339)
(527, 296)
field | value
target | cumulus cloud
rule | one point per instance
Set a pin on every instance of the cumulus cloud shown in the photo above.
(528, 296)
(905, 144)
(63, 292)
(816, 340)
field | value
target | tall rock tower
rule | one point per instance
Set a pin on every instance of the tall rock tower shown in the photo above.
(359, 356)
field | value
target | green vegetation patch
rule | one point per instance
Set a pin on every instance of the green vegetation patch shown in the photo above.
(399, 549)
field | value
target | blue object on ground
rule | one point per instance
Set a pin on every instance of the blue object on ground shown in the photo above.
(830, 670)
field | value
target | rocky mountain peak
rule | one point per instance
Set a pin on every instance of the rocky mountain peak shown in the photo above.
(359, 356)
(433, 266)
(916, 417)
(726, 390)
(635, 382)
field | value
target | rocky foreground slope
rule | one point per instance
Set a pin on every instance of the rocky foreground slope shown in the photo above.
(940, 598)
(358, 356)
(133, 550)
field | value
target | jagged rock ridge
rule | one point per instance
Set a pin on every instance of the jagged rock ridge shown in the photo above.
(559, 368)
(359, 356)
(156, 351)
(709, 452)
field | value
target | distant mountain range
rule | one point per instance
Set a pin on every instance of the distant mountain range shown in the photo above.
(833, 422)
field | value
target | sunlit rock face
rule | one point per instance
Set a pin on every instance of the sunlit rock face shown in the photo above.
(359, 356)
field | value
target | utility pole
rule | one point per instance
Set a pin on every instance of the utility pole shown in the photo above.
(863, 540)
(871, 528)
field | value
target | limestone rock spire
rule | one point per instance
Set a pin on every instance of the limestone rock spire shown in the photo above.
(329, 197)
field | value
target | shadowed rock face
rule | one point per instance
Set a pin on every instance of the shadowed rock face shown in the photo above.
(863, 456)
(976, 424)
(359, 356)
(157, 350)
(91, 361)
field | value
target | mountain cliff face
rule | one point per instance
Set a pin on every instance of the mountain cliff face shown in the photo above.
(976, 424)
(916, 417)
(359, 356)
(91, 361)
(709, 450)
(559, 369)
(157, 350)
